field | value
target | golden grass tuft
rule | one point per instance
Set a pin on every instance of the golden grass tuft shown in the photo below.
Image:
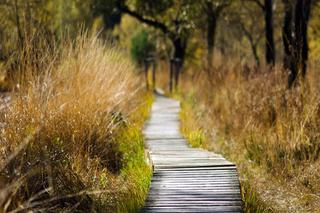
(64, 137)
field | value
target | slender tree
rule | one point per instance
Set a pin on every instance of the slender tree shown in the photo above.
(212, 10)
(252, 41)
(287, 35)
(267, 8)
(295, 37)
(302, 12)
(270, 48)
(243, 20)
(177, 29)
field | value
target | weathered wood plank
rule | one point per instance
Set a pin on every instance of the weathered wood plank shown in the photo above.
(203, 209)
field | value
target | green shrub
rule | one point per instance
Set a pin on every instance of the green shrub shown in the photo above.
(141, 47)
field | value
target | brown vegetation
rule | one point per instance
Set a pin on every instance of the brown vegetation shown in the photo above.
(272, 133)
(70, 139)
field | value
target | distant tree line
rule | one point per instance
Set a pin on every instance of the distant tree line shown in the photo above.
(182, 22)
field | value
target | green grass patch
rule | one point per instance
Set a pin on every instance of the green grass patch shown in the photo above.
(196, 138)
(136, 173)
(189, 123)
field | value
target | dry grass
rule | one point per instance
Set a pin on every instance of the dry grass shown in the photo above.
(272, 133)
(70, 138)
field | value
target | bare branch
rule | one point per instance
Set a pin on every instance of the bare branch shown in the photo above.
(151, 22)
(259, 3)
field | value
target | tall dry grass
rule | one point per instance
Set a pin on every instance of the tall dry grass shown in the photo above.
(69, 138)
(271, 132)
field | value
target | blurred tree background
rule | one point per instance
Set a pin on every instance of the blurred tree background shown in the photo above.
(193, 31)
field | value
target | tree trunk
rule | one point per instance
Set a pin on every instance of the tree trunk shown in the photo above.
(288, 43)
(270, 48)
(296, 47)
(180, 46)
(146, 67)
(171, 76)
(211, 32)
(153, 74)
(253, 44)
(287, 38)
(255, 54)
(302, 13)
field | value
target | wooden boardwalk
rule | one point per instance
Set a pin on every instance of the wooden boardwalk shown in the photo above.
(185, 179)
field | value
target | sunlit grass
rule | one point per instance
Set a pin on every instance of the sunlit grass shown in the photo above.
(71, 138)
(253, 119)
(189, 129)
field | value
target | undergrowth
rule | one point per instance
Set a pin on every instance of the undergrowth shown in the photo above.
(270, 131)
(70, 140)
(194, 134)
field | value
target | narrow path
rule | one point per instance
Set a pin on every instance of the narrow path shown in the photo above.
(186, 179)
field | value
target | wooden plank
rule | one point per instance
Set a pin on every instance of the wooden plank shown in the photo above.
(186, 165)
(222, 194)
(176, 203)
(226, 167)
(193, 209)
(195, 175)
(190, 198)
(202, 181)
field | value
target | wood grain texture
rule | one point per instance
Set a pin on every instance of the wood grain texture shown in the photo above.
(185, 179)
